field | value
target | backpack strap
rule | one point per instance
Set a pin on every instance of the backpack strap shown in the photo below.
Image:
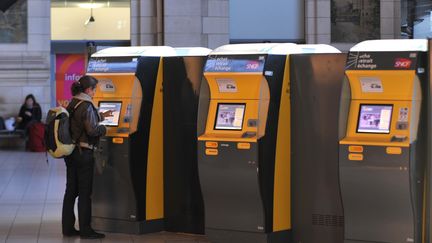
(75, 107)
(71, 115)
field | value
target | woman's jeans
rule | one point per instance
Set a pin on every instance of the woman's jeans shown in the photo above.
(79, 183)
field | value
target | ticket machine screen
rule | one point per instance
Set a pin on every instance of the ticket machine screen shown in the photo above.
(115, 107)
(230, 116)
(374, 118)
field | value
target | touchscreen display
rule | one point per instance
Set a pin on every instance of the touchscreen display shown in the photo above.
(230, 116)
(374, 118)
(115, 107)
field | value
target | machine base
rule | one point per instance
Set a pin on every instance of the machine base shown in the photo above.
(231, 236)
(127, 227)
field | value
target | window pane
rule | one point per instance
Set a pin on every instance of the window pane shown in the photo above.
(269, 20)
(13, 23)
(353, 21)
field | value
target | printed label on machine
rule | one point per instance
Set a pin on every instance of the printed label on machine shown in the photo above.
(227, 85)
(371, 85)
(402, 122)
(106, 85)
(403, 114)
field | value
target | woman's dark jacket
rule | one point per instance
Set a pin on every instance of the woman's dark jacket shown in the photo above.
(84, 121)
(36, 116)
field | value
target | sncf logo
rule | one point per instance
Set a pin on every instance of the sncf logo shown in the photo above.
(402, 63)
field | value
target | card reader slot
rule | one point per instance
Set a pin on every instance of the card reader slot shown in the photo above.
(398, 138)
(248, 134)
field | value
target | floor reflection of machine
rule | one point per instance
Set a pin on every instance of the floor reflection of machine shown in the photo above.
(128, 182)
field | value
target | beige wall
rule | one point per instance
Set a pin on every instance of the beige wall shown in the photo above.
(144, 22)
(216, 23)
(110, 24)
(181, 23)
(25, 68)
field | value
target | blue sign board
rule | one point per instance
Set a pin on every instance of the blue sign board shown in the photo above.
(112, 65)
(240, 63)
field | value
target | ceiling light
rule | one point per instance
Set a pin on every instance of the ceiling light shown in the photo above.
(91, 19)
(91, 5)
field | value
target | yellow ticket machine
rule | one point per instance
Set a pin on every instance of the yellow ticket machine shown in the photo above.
(184, 209)
(128, 182)
(244, 139)
(382, 151)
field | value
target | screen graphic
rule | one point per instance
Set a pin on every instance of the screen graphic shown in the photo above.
(374, 118)
(115, 107)
(230, 116)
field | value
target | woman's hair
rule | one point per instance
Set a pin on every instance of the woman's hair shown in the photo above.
(83, 83)
(31, 96)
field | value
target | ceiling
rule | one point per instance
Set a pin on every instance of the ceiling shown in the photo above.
(97, 3)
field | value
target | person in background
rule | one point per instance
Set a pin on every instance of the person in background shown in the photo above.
(29, 113)
(2, 124)
(86, 131)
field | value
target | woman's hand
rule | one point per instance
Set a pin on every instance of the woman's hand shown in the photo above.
(107, 113)
(28, 113)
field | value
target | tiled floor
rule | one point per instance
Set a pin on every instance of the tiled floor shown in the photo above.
(31, 194)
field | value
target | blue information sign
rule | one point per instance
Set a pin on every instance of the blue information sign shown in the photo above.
(112, 65)
(241, 63)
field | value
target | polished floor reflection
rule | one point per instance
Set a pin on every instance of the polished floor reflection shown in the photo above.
(31, 194)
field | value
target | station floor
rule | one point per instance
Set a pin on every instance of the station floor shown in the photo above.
(31, 193)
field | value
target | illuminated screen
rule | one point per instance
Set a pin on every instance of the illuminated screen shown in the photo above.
(230, 116)
(374, 118)
(115, 107)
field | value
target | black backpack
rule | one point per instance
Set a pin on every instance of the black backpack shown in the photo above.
(58, 139)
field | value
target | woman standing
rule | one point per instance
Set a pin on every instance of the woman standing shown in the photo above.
(30, 112)
(85, 130)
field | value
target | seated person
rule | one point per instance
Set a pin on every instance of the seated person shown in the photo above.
(2, 124)
(30, 112)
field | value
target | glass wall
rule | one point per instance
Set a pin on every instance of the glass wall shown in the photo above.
(13, 23)
(353, 21)
(266, 21)
(416, 21)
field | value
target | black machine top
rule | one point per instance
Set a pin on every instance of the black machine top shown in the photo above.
(403, 60)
